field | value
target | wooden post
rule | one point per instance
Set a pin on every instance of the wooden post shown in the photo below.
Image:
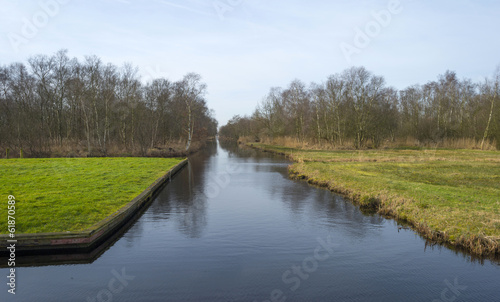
(7, 153)
(21, 153)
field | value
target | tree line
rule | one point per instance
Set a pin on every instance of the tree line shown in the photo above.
(57, 101)
(357, 107)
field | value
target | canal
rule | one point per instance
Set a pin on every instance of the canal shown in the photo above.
(233, 227)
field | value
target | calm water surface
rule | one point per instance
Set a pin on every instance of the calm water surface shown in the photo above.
(233, 227)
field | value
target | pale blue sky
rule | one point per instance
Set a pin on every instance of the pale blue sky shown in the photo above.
(243, 51)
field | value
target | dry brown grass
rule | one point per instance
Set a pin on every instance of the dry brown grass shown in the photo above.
(71, 148)
(306, 144)
(449, 143)
(309, 144)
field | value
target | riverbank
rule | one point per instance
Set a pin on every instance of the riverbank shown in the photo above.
(74, 194)
(448, 196)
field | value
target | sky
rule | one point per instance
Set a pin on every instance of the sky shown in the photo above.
(242, 48)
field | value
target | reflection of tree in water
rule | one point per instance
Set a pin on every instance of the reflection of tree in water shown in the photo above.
(331, 209)
(242, 151)
(305, 201)
(186, 203)
(191, 215)
(230, 147)
(181, 199)
(192, 219)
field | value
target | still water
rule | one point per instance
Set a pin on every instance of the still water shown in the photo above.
(232, 227)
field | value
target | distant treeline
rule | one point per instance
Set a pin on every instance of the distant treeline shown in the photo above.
(356, 107)
(56, 101)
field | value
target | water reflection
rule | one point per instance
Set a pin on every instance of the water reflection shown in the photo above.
(184, 199)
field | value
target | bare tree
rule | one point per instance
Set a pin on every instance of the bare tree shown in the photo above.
(191, 91)
(491, 89)
(336, 93)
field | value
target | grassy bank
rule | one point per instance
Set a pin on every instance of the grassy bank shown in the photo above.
(72, 194)
(450, 196)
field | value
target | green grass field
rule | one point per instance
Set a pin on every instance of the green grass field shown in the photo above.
(453, 192)
(72, 194)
